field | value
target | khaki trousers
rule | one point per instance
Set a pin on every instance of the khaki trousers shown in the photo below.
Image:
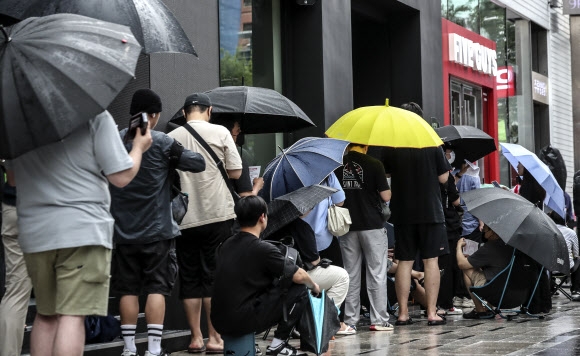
(14, 305)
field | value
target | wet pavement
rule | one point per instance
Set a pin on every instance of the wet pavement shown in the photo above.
(557, 334)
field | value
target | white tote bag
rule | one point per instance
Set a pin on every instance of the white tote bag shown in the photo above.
(338, 220)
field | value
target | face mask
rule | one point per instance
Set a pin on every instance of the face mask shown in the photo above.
(451, 159)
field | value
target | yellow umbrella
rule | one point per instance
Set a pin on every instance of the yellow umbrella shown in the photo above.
(384, 126)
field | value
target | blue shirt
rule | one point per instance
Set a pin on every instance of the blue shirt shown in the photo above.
(318, 217)
(465, 184)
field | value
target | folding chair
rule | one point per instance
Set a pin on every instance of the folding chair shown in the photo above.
(559, 279)
(512, 289)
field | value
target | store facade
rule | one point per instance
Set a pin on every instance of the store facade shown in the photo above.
(469, 85)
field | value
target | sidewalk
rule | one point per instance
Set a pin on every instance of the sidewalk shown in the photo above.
(558, 334)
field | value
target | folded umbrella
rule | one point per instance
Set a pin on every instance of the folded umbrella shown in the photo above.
(152, 23)
(309, 161)
(554, 194)
(521, 225)
(259, 110)
(468, 142)
(385, 126)
(287, 208)
(58, 72)
(318, 324)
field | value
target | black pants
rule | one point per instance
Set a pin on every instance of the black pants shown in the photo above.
(451, 284)
(334, 254)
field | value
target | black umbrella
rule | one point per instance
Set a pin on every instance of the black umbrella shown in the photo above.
(288, 207)
(468, 142)
(520, 224)
(152, 23)
(259, 110)
(56, 73)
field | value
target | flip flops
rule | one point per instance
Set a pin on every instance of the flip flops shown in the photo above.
(436, 322)
(404, 322)
(198, 350)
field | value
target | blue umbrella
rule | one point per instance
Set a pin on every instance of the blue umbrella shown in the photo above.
(307, 162)
(554, 195)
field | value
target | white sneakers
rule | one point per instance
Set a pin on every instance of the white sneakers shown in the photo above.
(463, 302)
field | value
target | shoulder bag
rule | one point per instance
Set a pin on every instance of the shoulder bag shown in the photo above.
(179, 199)
(216, 159)
(339, 220)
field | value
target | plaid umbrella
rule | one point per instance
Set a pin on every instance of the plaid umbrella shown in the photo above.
(286, 208)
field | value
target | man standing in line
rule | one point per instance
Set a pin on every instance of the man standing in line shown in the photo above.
(145, 260)
(14, 305)
(419, 224)
(366, 189)
(66, 229)
(209, 219)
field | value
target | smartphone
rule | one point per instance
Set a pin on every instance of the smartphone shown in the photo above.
(137, 121)
(496, 184)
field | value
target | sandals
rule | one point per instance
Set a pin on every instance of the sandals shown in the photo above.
(348, 331)
(437, 322)
(404, 322)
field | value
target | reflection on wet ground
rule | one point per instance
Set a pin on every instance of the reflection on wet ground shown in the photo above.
(558, 334)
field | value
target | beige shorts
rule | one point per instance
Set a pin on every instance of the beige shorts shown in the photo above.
(478, 279)
(71, 281)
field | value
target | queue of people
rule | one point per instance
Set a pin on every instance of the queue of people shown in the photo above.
(68, 225)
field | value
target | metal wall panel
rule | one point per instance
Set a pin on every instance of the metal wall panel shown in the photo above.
(174, 76)
(534, 10)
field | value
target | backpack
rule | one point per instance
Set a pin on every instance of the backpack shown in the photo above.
(291, 260)
(100, 329)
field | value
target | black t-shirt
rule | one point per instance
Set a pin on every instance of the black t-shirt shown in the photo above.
(364, 202)
(492, 258)
(414, 174)
(304, 239)
(244, 183)
(246, 267)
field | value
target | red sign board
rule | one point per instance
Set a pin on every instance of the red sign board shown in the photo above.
(505, 82)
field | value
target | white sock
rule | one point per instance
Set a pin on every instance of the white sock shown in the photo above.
(154, 333)
(128, 332)
(276, 342)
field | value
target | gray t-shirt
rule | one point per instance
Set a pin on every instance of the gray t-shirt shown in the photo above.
(63, 197)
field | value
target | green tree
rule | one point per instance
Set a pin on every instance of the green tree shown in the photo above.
(235, 69)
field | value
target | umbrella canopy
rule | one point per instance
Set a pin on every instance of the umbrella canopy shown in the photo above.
(57, 72)
(384, 126)
(287, 208)
(520, 224)
(309, 161)
(554, 194)
(318, 324)
(152, 23)
(468, 142)
(259, 110)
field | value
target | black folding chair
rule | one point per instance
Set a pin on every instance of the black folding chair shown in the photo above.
(512, 289)
(558, 280)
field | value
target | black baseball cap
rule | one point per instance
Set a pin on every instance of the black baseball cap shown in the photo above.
(197, 99)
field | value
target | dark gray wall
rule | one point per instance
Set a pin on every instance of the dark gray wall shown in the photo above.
(431, 56)
(316, 61)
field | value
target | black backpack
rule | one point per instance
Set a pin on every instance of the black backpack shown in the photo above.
(291, 260)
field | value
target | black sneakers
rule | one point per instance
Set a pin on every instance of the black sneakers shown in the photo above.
(284, 350)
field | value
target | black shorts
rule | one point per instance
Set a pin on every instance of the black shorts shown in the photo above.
(430, 240)
(142, 269)
(196, 248)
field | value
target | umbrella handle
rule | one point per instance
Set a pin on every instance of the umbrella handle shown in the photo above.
(8, 38)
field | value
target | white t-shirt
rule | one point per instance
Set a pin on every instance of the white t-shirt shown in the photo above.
(210, 200)
(63, 197)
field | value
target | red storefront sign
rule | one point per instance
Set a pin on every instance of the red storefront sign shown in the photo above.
(472, 58)
(506, 82)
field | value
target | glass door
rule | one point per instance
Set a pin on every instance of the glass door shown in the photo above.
(466, 107)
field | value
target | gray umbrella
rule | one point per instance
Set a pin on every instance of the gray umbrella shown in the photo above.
(520, 224)
(56, 73)
(287, 208)
(152, 23)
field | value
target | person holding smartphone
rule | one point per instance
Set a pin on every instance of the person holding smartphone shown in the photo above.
(145, 261)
